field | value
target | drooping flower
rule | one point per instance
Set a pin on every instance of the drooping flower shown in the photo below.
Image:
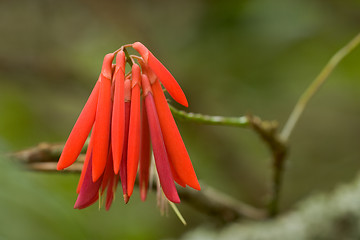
(128, 115)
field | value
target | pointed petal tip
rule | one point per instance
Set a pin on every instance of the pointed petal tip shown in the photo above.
(143, 193)
(126, 198)
(116, 170)
(108, 206)
(79, 204)
(96, 175)
(184, 102)
(195, 186)
(69, 156)
(193, 183)
(76, 205)
(174, 199)
(109, 201)
(167, 80)
(59, 166)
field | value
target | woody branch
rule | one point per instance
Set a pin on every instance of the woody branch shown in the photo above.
(44, 157)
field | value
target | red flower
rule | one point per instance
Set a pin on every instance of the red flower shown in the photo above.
(122, 129)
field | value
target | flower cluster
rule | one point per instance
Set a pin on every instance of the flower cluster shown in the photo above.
(124, 113)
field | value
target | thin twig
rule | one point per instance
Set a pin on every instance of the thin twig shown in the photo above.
(315, 86)
(44, 158)
(279, 157)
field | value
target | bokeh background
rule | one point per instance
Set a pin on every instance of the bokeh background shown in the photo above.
(230, 57)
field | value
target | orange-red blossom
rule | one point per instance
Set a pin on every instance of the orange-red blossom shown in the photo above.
(124, 113)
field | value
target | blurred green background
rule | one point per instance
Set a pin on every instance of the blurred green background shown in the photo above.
(230, 57)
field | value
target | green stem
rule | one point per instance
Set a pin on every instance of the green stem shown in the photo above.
(315, 86)
(128, 58)
(242, 122)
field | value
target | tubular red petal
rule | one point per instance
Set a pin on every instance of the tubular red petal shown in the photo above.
(127, 89)
(89, 203)
(83, 171)
(134, 131)
(163, 74)
(123, 164)
(118, 112)
(89, 190)
(144, 155)
(80, 131)
(102, 121)
(160, 154)
(179, 158)
(146, 87)
(109, 182)
(110, 192)
(86, 163)
(109, 171)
